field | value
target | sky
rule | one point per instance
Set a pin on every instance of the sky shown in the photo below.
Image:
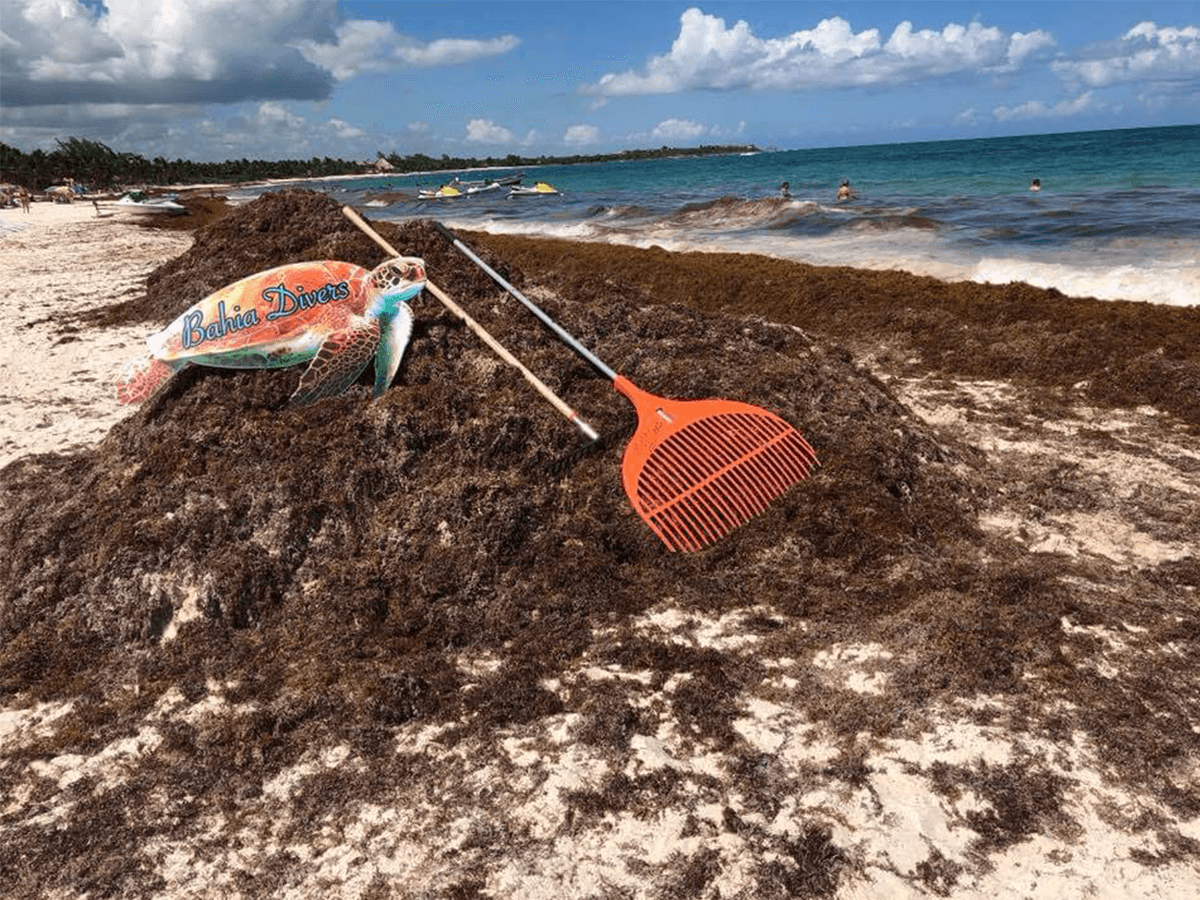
(210, 80)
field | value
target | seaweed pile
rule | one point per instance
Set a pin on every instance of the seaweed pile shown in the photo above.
(1119, 352)
(458, 509)
(332, 567)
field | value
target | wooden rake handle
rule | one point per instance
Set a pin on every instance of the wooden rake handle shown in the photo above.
(538, 385)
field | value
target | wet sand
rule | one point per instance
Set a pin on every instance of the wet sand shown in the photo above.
(422, 647)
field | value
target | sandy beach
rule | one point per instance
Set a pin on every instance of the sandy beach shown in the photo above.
(60, 259)
(423, 648)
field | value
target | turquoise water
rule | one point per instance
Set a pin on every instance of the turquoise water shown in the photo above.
(1118, 216)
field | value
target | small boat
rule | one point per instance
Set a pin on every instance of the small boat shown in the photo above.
(502, 181)
(540, 189)
(139, 204)
(460, 189)
(445, 191)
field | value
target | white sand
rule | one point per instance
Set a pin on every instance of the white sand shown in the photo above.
(56, 378)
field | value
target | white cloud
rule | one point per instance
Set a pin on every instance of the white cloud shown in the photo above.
(1022, 45)
(59, 52)
(276, 115)
(1036, 109)
(952, 49)
(708, 55)
(277, 130)
(485, 131)
(1145, 53)
(580, 135)
(172, 51)
(361, 45)
(45, 34)
(417, 127)
(680, 130)
(677, 130)
(345, 130)
(452, 51)
(364, 45)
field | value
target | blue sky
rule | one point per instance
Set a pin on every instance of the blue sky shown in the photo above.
(272, 79)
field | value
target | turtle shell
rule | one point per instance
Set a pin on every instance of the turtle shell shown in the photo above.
(274, 318)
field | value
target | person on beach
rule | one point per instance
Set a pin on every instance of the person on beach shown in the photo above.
(1035, 184)
(784, 192)
(25, 199)
(844, 190)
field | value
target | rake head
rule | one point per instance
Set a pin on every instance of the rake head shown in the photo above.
(696, 469)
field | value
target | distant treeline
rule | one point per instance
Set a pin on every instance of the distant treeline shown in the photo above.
(101, 168)
(98, 167)
(419, 162)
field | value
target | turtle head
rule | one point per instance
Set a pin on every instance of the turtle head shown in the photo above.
(396, 281)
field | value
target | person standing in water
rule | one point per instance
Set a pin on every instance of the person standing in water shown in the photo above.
(844, 190)
(784, 192)
(1035, 184)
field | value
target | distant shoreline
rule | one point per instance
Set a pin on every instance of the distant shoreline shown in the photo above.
(91, 163)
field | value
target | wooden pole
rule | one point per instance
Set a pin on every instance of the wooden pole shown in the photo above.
(499, 349)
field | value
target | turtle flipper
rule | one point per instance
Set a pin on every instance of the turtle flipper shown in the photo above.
(142, 377)
(343, 355)
(394, 338)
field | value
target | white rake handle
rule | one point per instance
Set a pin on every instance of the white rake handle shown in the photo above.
(538, 385)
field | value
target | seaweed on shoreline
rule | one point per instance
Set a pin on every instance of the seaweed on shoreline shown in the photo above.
(1120, 353)
(451, 558)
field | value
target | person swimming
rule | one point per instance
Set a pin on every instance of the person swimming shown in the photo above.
(784, 192)
(1035, 184)
(844, 192)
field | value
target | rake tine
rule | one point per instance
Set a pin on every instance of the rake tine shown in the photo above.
(678, 532)
(717, 501)
(703, 512)
(695, 539)
(753, 491)
(709, 484)
(699, 527)
(769, 462)
(711, 494)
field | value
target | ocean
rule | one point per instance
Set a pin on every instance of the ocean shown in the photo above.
(1118, 216)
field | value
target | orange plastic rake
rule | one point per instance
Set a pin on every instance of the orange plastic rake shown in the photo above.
(694, 469)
